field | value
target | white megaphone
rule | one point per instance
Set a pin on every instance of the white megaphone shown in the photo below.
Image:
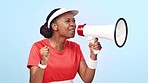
(117, 32)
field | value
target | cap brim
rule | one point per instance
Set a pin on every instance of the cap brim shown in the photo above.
(74, 12)
(60, 12)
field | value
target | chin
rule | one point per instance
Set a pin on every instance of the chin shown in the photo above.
(72, 36)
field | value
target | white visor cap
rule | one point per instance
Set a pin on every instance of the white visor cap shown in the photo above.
(59, 12)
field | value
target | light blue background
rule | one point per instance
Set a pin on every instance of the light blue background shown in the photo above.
(20, 21)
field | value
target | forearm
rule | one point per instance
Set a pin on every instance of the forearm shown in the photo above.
(37, 77)
(89, 73)
(86, 73)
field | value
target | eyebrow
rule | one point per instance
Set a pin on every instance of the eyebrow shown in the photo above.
(70, 18)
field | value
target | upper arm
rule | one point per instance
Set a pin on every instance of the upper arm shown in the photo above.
(33, 69)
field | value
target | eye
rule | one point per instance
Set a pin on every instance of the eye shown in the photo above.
(74, 20)
(70, 20)
(67, 20)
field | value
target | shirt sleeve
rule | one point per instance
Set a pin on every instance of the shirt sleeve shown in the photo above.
(34, 56)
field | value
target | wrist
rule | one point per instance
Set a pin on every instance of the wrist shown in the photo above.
(43, 62)
(92, 64)
(42, 65)
(93, 56)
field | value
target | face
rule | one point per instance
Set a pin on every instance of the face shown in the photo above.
(65, 25)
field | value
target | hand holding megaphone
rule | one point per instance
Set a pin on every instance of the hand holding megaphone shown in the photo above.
(92, 40)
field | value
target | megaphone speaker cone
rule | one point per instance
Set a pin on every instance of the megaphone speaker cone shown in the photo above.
(121, 32)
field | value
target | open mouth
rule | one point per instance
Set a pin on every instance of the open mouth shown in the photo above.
(72, 31)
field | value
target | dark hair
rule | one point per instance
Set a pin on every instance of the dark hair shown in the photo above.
(45, 30)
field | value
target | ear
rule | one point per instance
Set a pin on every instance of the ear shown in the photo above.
(54, 26)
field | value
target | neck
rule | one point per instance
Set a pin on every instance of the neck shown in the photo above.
(57, 43)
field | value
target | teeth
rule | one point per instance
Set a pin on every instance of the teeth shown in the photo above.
(72, 30)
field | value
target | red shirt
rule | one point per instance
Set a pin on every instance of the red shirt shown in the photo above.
(62, 65)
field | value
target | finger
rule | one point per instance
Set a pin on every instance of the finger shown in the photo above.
(98, 47)
(45, 47)
(96, 40)
(90, 44)
(45, 53)
(44, 50)
(96, 43)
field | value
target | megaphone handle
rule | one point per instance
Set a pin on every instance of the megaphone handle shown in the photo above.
(91, 39)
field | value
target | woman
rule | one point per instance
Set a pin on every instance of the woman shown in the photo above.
(56, 59)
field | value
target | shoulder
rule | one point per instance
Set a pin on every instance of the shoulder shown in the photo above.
(40, 43)
(72, 44)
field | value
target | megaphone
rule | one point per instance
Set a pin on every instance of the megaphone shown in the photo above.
(117, 32)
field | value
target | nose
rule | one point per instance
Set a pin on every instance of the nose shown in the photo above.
(73, 24)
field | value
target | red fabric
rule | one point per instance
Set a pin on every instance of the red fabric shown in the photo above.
(62, 65)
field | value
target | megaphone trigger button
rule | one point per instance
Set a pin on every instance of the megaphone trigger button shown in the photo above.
(89, 38)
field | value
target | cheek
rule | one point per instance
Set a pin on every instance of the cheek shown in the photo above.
(63, 27)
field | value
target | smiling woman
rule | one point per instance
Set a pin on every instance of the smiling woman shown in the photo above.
(20, 22)
(56, 59)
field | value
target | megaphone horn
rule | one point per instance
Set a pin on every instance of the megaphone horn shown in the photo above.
(117, 32)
